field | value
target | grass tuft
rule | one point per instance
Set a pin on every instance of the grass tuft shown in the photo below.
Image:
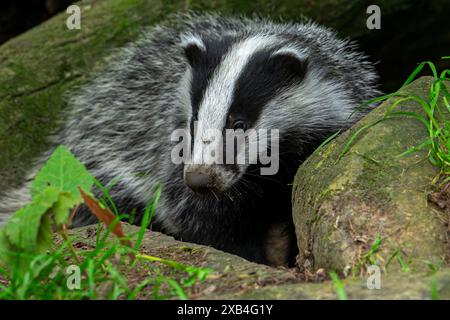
(436, 120)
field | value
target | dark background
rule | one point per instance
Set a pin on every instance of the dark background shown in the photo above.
(412, 31)
(17, 16)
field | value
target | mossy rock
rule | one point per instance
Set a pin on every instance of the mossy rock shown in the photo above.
(342, 204)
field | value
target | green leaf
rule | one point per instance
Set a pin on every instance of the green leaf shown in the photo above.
(66, 201)
(44, 238)
(65, 173)
(24, 227)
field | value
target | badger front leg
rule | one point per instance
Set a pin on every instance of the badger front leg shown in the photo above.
(280, 244)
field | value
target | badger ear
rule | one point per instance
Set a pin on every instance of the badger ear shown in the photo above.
(193, 47)
(290, 60)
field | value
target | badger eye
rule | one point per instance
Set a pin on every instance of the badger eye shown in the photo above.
(239, 125)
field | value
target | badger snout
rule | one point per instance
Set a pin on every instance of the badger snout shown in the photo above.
(199, 177)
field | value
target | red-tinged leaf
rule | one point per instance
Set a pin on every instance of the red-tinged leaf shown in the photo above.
(107, 217)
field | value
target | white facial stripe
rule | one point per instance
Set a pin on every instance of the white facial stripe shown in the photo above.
(190, 39)
(219, 93)
(316, 100)
(292, 51)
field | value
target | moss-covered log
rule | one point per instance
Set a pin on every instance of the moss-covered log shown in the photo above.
(342, 204)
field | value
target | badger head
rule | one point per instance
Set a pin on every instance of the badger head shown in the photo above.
(245, 93)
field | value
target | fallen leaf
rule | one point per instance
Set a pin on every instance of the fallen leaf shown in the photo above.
(107, 217)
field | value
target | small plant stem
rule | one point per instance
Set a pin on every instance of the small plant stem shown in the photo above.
(72, 214)
(63, 234)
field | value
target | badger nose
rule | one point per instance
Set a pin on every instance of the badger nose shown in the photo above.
(198, 180)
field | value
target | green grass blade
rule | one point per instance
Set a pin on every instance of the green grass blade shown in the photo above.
(148, 215)
(338, 286)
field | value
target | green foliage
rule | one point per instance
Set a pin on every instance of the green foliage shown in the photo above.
(35, 266)
(434, 289)
(24, 229)
(436, 107)
(369, 258)
(370, 255)
(148, 216)
(54, 192)
(65, 173)
(338, 286)
(400, 258)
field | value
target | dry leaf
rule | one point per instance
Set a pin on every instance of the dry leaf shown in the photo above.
(107, 217)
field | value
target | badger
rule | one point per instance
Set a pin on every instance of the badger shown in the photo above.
(227, 73)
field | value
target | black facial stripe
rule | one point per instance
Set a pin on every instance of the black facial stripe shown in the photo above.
(258, 83)
(261, 79)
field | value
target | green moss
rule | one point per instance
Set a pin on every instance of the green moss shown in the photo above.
(372, 181)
